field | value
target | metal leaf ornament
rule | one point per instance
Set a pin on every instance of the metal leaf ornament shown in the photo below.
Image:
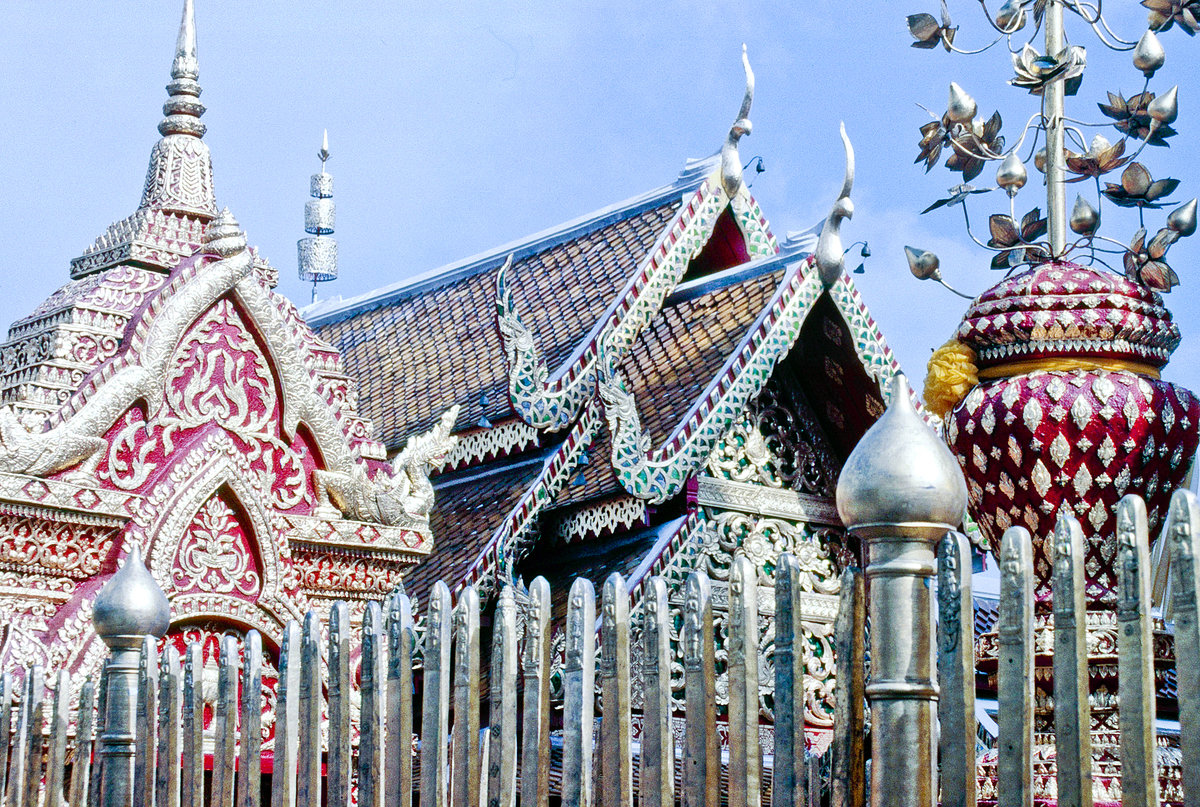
(928, 32)
(1016, 244)
(1132, 117)
(958, 195)
(1100, 158)
(1035, 71)
(1165, 13)
(1144, 261)
(1139, 189)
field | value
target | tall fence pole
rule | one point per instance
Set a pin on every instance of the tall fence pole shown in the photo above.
(900, 491)
(130, 607)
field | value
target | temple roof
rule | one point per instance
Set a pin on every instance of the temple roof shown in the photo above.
(423, 344)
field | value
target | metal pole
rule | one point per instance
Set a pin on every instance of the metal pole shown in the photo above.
(130, 607)
(1052, 115)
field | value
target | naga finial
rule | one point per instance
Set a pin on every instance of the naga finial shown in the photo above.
(731, 161)
(828, 255)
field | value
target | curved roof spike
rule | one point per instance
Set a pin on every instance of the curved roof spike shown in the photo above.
(731, 161)
(744, 112)
(185, 64)
(829, 252)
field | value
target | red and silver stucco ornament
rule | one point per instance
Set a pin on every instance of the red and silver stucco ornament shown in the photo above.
(1070, 410)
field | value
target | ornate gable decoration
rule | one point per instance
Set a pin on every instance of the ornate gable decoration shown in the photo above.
(192, 414)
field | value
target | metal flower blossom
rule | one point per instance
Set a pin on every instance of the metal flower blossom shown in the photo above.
(1144, 262)
(1100, 158)
(928, 32)
(1017, 245)
(1132, 117)
(1035, 71)
(972, 144)
(1139, 189)
(1165, 13)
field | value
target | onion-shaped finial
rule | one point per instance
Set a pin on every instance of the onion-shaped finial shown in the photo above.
(1039, 160)
(1183, 219)
(1010, 17)
(1085, 219)
(131, 606)
(1012, 175)
(962, 107)
(1149, 55)
(1165, 108)
(901, 473)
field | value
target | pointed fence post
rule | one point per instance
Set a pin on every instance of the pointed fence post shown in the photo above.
(702, 750)
(464, 786)
(170, 715)
(788, 787)
(81, 765)
(435, 699)
(56, 755)
(145, 734)
(128, 608)
(1135, 656)
(745, 757)
(287, 719)
(956, 671)
(249, 779)
(1183, 531)
(848, 785)
(308, 747)
(616, 741)
(1072, 715)
(225, 724)
(657, 782)
(398, 752)
(370, 716)
(1014, 672)
(192, 771)
(579, 690)
(502, 744)
(535, 672)
(337, 777)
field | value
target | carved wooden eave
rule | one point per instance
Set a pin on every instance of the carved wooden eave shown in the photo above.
(553, 401)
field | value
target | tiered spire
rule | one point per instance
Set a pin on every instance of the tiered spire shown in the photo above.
(180, 175)
(317, 254)
(178, 200)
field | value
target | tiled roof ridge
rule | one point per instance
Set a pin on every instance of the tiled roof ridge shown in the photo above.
(689, 179)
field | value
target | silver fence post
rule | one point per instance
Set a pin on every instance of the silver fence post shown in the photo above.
(900, 491)
(128, 608)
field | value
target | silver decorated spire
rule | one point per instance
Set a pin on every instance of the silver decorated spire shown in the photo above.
(180, 176)
(317, 254)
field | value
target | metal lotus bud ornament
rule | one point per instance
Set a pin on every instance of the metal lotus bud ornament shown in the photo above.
(1085, 219)
(962, 107)
(923, 264)
(1010, 17)
(1012, 175)
(1165, 108)
(1039, 160)
(1183, 219)
(1148, 56)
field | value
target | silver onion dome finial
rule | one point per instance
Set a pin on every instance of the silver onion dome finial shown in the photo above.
(131, 606)
(183, 108)
(901, 472)
(317, 254)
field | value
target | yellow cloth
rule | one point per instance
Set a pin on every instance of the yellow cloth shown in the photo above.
(950, 375)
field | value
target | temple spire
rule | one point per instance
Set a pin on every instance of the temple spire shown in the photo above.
(183, 108)
(317, 254)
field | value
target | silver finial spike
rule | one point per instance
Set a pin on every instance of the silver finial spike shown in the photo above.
(186, 65)
(323, 154)
(829, 251)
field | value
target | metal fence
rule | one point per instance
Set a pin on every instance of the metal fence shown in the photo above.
(139, 734)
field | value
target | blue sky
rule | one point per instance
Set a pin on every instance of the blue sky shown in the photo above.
(456, 127)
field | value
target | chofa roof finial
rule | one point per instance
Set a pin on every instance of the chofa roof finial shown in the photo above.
(183, 108)
(731, 161)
